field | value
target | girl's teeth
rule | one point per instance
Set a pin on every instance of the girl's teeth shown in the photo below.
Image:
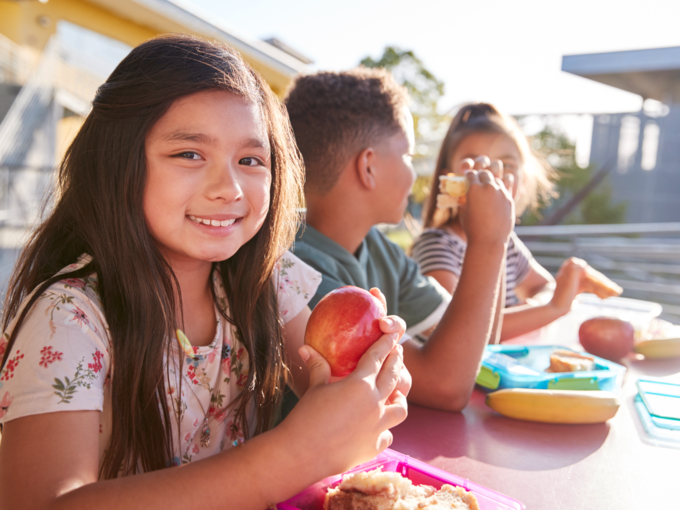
(214, 223)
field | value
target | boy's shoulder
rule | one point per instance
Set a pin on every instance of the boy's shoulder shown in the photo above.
(381, 246)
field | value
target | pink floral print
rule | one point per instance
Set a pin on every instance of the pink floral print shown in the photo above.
(47, 356)
(10, 366)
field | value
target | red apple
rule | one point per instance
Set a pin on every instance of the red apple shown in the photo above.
(343, 325)
(607, 337)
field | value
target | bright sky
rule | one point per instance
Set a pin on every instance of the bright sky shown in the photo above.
(501, 51)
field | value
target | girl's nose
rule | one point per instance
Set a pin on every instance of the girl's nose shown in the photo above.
(223, 183)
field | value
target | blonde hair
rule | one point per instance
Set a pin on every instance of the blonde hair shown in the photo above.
(536, 184)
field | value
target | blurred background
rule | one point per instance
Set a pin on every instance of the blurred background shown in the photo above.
(596, 86)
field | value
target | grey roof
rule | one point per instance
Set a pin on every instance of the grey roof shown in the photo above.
(652, 73)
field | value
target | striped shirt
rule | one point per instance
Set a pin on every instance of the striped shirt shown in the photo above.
(438, 249)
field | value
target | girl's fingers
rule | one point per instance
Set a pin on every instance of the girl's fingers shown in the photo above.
(395, 413)
(376, 292)
(485, 177)
(508, 181)
(496, 168)
(467, 164)
(388, 378)
(403, 385)
(392, 324)
(319, 369)
(472, 177)
(384, 440)
(405, 381)
(482, 162)
(373, 359)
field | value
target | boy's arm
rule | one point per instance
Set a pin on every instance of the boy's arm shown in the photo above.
(445, 368)
(496, 331)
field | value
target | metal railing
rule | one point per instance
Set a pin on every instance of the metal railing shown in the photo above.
(643, 258)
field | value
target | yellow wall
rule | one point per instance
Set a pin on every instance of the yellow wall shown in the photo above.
(67, 129)
(31, 23)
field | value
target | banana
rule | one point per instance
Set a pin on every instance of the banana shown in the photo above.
(554, 406)
(659, 348)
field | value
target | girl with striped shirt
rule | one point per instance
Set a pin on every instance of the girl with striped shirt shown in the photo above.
(480, 132)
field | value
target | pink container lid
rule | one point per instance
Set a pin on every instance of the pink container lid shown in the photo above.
(418, 472)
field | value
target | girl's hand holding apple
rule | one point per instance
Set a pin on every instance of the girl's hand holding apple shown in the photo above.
(349, 420)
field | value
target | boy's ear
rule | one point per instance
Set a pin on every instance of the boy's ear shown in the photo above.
(365, 172)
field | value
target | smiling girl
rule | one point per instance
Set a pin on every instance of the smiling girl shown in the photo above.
(480, 132)
(155, 315)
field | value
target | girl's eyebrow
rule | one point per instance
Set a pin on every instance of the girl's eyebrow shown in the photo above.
(183, 136)
(256, 143)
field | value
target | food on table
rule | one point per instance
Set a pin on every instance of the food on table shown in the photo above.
(554, 406)
(662, 340)
(598, 284)
(343, 325)
(452, 190)
(562, 360)
(607, 337)
(378, 490)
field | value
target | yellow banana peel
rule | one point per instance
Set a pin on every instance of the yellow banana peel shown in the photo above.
(659, 348)
(554, 406)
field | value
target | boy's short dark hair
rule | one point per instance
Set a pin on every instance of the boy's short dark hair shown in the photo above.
(337, 114)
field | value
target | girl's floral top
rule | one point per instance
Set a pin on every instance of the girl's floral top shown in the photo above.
(60, 361)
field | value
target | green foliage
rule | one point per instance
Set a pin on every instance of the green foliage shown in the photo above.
(596, 208)
(424, 88)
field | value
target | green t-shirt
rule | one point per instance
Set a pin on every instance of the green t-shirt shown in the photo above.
(377, 263)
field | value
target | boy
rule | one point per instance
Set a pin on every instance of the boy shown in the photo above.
(356, 138)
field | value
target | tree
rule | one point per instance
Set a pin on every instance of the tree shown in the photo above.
(424, 88)
(596, 207)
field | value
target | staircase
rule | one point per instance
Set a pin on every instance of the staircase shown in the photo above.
(32, 102)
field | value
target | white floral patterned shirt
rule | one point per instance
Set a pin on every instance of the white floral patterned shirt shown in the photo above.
(60, 361)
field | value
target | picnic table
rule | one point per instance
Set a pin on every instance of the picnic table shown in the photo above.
(609, 465)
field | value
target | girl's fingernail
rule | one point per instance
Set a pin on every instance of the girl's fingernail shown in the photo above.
(304, 354)
(389, 322)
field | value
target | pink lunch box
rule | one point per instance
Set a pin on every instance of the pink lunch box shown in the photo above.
(418, 472)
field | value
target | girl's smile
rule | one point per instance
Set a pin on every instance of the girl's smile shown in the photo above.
(208, 177)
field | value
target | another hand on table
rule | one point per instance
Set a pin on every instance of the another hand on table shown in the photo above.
(572, 279)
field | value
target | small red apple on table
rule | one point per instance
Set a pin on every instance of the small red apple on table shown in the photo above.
(607, 337)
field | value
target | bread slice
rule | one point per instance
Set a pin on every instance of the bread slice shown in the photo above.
(378, 490)
(452, 189)
(598, 284)
(566, 361)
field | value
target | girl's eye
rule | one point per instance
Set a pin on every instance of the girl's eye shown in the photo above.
(187, 155)
(250, 161)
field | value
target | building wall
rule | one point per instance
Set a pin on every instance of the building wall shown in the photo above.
(626, 140)
(31, 24)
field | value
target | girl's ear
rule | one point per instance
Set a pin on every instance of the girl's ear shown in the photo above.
(364, 169)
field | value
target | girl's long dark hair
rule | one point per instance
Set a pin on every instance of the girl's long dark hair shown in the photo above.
(98, 210)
